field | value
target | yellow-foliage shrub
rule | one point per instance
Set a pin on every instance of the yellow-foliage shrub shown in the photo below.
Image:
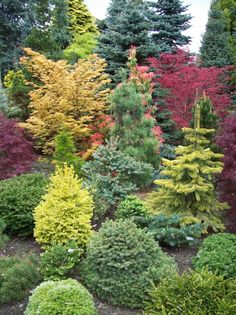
(64, 97)
(65, 211)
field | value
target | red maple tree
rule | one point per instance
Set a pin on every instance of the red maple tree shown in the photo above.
(16, 152)
(180, 74)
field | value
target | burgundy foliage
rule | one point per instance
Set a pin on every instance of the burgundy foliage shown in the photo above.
(183, 78)
(16, 152)
(227, 180)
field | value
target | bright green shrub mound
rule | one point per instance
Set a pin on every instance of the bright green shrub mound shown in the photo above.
(65, 211)
(18, 197)
(122, 262)
(218, 254)
(17, 277)
(193, 294)
(130, 207)
(67, 297)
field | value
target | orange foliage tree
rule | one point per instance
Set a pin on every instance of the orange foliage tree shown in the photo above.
(64, 97)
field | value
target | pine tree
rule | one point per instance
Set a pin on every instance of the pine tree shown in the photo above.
(3, 98)
(133, 123)
(189, 188)
(169, 19)
(126, 25)
(81, 20)
(214, 50)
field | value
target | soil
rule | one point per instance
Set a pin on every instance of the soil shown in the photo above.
(23, 247)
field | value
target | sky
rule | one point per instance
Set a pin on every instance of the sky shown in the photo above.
(197, 8)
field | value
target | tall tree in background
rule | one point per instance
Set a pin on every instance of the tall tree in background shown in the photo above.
(81, 20)
(215, 46)
(14, 26)
(50, 34)
(169, 19)
(126, 25)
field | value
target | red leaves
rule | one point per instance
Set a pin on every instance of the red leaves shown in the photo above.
(183, 78)
(16, 153)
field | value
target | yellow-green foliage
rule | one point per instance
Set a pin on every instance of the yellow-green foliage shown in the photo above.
(65, 211)
(188, 188)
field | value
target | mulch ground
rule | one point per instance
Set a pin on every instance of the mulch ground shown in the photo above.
(23, 247)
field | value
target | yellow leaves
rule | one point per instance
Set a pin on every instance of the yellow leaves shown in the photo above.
(65, 96)
(65, 211)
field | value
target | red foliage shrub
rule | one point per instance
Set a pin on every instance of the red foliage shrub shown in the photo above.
(182, 77)
(16, 152)
(226, 139)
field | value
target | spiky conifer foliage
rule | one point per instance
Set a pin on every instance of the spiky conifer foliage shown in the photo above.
(214, 50)
(126, 25)
(189, 187)
(131, 110)
(168, 20)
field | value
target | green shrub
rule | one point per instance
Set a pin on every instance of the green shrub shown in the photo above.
(17, 277)
(59, 261)
(67, 297)
(112, 175)
(170, 230)
(121, 263)
(18, 197)
(3, 237)
(130, 207)
(218, 254)
(193, 294)
(65, 152)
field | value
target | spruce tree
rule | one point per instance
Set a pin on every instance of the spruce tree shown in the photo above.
(214, 50)
(169, 19)
(188, 188)
(126, 25)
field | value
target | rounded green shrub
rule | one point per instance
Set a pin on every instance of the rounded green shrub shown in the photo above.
(18, 275)
(122, 262)
(193, 293)
(218, 254)
(18, 198)
(67, 297)
(59, 261)
(130, 207)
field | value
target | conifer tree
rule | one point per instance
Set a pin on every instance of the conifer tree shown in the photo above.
(133, 123)
(65, 211)
(209, 118)
(168, 20)
(189, 188)
(126, 25)
(81, 20)
(65, 152)
(214, 50)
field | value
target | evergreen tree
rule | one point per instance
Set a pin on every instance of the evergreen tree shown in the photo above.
(209, 118)
(188, 188)
(3, 98)
(169, 19)
(126, 25)
(65, 152)
(81, 20)
(133, 122)
(14, 25)
(50, 34)
(215, 47)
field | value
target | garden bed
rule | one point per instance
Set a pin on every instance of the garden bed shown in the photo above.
(21, 247)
